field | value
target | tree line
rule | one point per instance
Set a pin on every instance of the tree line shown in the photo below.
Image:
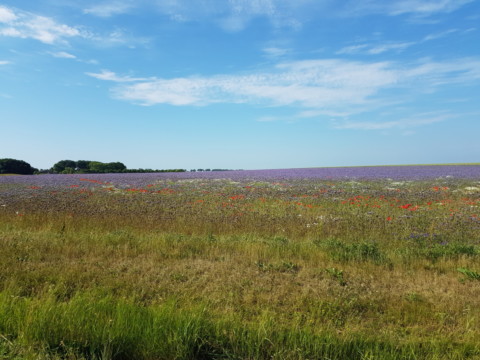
(13, 166)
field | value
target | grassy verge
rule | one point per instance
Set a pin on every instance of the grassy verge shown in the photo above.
(102, 327)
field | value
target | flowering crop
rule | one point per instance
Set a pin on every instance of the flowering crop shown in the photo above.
(296, 202)
(377, 172)
(360, 253)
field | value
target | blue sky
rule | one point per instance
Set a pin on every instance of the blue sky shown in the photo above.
(240, 84)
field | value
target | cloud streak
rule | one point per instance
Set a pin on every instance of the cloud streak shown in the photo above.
(309, 84)
(331, 86)
(111, 76)
(109, 9)
(425, 7)
(418, 8)
(231, 15)
(406, 123)
(63, 55)
(375, 49)
(26, 25)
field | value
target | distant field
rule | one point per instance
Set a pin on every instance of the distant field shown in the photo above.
(326, 263)
(444, 164)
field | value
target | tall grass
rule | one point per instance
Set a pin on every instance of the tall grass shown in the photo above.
(94, 326)
(288, 272)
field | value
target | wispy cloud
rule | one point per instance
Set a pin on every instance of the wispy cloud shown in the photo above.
(6, 15)
(275, 52)
(405, 123)
(26, 25)
(431, 74)
(379, 48)
(22, 24)
(108, 9)
(425, 7)
(235, 15)
(439, 35)
(316, 86)
(375, 49)
(422, 8)
(311, 84)
(268, 119)
(5, 62)
(63, 55)
(111, 76)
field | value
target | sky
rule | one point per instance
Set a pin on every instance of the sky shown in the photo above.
(240, 84)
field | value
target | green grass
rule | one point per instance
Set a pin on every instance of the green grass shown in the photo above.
(96, 326)
(307, 270)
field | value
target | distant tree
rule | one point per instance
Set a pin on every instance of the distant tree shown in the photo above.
(60, 166)
(82, 165)
(99, 167)
(116, 167)
(96, 167)
(12, 166)
(68, 170)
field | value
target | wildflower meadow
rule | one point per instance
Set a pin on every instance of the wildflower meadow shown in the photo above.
(337, 263)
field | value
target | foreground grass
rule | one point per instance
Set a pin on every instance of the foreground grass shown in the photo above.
(98, 326)
(237, 276)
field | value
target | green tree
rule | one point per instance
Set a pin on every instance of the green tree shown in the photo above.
(60, 166)
(82, 165)
(96, 167)
(116, 167)
(12, 166)
(113, 167)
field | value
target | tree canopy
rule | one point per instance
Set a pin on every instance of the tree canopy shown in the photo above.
(13, 166)
(87, 166)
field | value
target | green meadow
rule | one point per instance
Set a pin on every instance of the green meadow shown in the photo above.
(222, 269)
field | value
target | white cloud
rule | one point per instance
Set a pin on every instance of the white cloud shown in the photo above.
(234, 15)
(5, 62)
(109, 9)
(332, 87)
(433, 74)
(422, 8)
(309, 84)
(388, 47)
(371, 49)
(421, 120)
(111, 76)
(63, 55)
(275, 51)
(353, 49)
(425, 7)
(439, 35)
(26, 25)
(6, 15)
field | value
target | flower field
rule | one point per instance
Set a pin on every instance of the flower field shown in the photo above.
(330, 263)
